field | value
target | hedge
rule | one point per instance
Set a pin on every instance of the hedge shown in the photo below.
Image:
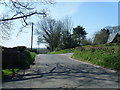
(17, 57)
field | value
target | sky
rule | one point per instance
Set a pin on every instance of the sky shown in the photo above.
(93, 16)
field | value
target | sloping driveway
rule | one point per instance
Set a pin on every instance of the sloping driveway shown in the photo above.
(59, 71)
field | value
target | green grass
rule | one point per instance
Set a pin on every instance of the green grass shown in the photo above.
(9, 71)
(102, 55)
(105, 55)
(62, 51)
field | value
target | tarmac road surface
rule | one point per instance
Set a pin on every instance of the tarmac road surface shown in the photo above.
(60, 71)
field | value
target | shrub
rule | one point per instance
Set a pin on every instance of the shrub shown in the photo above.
(18, 57)
(20, 48)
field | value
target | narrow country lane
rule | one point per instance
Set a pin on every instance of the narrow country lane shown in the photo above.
(59, 71)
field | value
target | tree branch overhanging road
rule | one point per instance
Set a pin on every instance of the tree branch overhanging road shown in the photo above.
(19, 17)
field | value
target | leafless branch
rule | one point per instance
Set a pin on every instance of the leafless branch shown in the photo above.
(22, 11)
(28, 15)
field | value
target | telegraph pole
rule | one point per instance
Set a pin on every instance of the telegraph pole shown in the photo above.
(32, 36)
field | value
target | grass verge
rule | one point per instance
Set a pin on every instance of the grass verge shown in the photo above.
(105, 56)
(10, 71)
(62, 51)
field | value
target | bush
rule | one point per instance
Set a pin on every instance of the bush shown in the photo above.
(17, 57)
(20, 48)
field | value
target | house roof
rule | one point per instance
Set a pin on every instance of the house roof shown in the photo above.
(111, 37)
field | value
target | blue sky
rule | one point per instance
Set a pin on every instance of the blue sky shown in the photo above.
(93, 16)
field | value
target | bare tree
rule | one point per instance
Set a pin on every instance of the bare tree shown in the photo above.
(5, 30)
(68, 26)
(66, 37)
(17, 10)
(50, 30)
(56, 33)
(39, 41)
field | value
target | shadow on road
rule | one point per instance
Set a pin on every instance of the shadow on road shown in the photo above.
(77, 73)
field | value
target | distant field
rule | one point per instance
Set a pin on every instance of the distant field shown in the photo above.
(41, 50)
